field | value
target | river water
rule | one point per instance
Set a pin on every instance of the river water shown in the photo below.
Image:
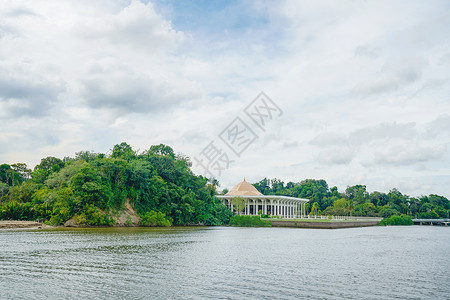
(411, 262)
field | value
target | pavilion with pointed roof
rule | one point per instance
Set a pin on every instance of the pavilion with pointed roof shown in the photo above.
(274, 205)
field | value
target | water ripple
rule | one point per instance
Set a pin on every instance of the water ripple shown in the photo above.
(226, 263)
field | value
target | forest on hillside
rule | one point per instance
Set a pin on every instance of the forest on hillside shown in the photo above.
(92, 188)
(356, 200)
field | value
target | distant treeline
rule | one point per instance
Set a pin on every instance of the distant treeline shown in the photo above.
(93, 187)
(356, 200)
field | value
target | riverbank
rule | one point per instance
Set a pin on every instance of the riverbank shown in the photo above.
(295, 223)
(22, 225)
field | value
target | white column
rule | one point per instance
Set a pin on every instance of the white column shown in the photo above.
(257, 206)
(278, 208)
(269, 206)
(265, 206)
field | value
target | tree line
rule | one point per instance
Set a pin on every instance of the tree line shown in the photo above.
(356, 200)
(93, 187)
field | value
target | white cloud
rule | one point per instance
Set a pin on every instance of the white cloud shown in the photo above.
(25, 92)
(409, 153)
(136, 26)
(363, 85)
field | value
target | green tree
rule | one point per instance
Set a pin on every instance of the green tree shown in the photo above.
(350, 206)
(340, 207)
(238, 204)
(4, 174)
(155, 218)
(50, 163)
(4, 188)
(315, 209)
(357, 193)
(86, 155)
(161, 149)
(22, 171)
(123, 150)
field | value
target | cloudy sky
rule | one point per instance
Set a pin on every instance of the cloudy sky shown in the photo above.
(363, 86)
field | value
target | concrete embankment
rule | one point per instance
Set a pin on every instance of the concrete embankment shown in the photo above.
(324, 225)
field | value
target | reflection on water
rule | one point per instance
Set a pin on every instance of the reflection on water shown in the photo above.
(228, 263)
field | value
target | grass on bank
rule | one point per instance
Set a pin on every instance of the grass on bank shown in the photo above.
(249, 221)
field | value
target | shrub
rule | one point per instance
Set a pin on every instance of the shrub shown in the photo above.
(397, 220)
(17, 211)
(93, 216)
(155, 218)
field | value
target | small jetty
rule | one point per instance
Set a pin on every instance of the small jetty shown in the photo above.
(432, 222)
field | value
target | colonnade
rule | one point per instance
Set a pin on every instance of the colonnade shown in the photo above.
(285, 208)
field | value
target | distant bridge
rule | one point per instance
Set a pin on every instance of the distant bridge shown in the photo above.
(439, 222)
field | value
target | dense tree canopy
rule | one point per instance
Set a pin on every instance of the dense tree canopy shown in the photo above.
(356, 200)
(92, 187)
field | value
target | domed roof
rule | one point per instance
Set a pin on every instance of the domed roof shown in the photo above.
(243, 189)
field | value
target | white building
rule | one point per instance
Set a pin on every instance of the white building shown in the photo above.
(286, 207)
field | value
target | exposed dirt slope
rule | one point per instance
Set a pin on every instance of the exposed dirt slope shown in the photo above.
(127, 217)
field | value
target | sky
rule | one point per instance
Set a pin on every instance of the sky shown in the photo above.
(355, 92)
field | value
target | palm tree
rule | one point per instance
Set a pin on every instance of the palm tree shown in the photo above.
(315, 208)
(350, 206)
